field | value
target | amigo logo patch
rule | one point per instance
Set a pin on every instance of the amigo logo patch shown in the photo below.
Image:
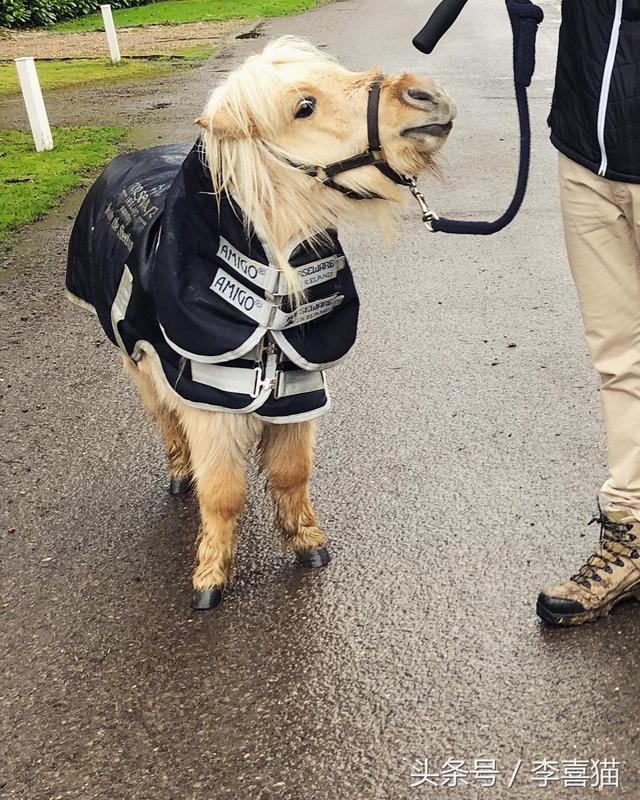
(237, 295)
(238, 261)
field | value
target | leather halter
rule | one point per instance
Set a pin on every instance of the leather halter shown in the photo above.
(372, 156)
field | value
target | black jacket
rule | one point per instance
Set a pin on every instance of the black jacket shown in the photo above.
(595, 116)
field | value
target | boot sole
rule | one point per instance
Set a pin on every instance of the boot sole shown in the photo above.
(591, 615)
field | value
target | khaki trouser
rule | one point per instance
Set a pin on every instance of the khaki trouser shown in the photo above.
(602, 232)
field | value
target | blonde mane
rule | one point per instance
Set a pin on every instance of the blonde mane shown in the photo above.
(276, 198)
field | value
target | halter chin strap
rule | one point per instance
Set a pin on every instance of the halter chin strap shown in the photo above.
(372, 156)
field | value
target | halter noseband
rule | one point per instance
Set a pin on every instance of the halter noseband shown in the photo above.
(372, 156)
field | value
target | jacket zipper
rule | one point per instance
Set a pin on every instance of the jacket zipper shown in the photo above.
(606, 86)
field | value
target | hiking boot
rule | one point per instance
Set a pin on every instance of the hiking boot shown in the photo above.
(610, 575)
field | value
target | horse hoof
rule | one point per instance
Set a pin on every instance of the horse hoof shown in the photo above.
(314, 559)
(206, 599)
(180, 485)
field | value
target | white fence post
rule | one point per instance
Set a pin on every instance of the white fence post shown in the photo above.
(110, 30)
(34, 103)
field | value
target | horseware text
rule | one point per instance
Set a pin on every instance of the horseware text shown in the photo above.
(318, 272)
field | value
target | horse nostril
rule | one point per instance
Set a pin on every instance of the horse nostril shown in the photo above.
(421, 96)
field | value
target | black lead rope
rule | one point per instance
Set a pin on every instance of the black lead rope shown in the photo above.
(525, 18)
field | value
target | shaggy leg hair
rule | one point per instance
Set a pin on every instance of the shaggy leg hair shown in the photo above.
(220, 445)
(286, 456)
(175, 444)
(213, 447)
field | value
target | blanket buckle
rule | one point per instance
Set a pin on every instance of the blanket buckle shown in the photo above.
(261, 383)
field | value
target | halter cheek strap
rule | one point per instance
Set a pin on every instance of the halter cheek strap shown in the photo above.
(372, 156)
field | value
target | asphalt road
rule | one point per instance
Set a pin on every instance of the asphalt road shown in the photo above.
(455, 476)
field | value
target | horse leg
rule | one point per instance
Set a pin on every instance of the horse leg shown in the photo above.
(175, 444)
(219, 445)
(177, 450)
(286, 456)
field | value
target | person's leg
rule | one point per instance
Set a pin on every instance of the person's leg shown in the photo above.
(605, 263)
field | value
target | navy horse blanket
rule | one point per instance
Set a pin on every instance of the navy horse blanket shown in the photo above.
(175, 272)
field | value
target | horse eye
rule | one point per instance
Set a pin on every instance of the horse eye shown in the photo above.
(306, 108)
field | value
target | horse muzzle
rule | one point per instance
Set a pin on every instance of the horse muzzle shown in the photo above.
(439, 130)
(440, 112)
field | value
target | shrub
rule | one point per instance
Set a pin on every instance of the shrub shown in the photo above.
(13, 13)
(33, 13)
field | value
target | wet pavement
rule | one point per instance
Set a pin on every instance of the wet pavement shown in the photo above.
(455, 476)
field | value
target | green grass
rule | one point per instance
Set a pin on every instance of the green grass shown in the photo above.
(195, 52)
(31, 183)
(56, 74)
(177, 11)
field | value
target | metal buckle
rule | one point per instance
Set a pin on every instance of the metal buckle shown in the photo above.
(428, 215)
(260, 384)
(257, 382)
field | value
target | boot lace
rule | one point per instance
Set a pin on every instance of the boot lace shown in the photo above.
(616, 541)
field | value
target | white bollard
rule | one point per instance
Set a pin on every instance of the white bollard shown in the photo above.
(34, 103)
(110, 30)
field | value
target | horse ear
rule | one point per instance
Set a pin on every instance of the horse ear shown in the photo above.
(224, 125)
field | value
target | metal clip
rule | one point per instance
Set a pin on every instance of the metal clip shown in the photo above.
(257, 382)
(428, 215)
(260, 383)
